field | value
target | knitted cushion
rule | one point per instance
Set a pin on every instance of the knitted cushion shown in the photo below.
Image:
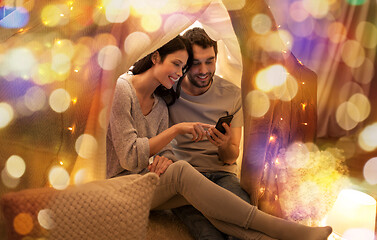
(117, 208)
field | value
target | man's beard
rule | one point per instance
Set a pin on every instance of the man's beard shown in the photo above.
(197, 84)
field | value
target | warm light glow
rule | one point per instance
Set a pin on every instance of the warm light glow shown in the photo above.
(352, 210)
(9, 181)
(343, 117)
(35, 99)
(117, 11)
(54, 15)
(20, 62)
(60, 100)
(261, 23)
(81, 177)
(136, 43)
(151, 22)
(15, 166)
(317, 8)
(61, 63)
(175, 21)
(45, 219)
(363, 107)
(297, 11)
(23, 223)
(353, 54)
(257, 103)
(368, 138)
(366, 34)
(109, 57)
(58, 178)
(270, 77)
(234, 4)
(272, 139)
(370, 170)
(86, 146)
(6, 114)
(337, 32)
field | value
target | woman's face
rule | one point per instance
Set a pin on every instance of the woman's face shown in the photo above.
(169, 71)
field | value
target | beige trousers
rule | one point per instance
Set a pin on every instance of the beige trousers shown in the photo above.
(182, 184)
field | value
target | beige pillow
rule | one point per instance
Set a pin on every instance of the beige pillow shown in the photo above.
(117, 208)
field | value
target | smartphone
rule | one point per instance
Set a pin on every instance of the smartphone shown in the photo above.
(225, 119)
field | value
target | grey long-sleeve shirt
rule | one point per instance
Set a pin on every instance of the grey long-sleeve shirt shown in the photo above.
(127, 145)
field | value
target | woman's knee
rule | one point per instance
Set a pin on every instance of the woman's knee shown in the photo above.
(179, 167)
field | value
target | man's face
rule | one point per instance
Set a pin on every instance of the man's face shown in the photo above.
(203, 68)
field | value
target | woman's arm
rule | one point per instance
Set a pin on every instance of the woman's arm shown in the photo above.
(196, 129)
(128, 150)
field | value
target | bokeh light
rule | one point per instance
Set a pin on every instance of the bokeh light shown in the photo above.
(103, 118)
(317, 8)
(368, 138)
(35, 98)
(366, 34)
(9, 181)
(61, 63)
(20, 62)
(298, 12)
(23, 223)
(86, 146)
(365, 73)
(136, 42)
(257, 103)
(117, 11)
(6, 114)
(261, 23)
(270, 77)
(63, 46)
(60, 100)
(58, 178)
(151, 22)
(55, 15)
(348, 146)
(287, 91)
(337, 32)
(15, 166)
(109, 57)
(363, 106)
(353, 54)
(82, 54)
(370, 170)
(343, 115)
(82, 176)
(45, 219)
(175, 21)
(234, 4)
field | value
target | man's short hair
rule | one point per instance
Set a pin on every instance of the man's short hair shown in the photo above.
(199, 37)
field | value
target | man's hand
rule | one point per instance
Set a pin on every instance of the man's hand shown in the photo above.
(217, 138)
(159, 165)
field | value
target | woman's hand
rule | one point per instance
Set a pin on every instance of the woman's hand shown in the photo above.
(159, 165)
(196, 129)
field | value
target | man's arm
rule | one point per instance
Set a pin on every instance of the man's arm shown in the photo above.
(229, 152)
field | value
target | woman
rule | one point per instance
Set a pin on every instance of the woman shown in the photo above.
(139, 130)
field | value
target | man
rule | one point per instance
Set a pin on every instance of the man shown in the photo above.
(205, 98)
